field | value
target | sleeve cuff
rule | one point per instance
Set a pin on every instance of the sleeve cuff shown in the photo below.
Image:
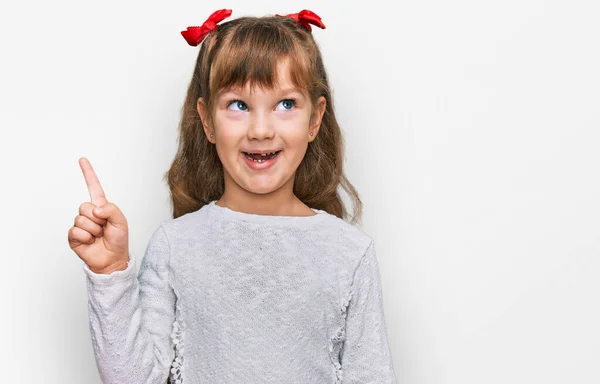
(111, 278)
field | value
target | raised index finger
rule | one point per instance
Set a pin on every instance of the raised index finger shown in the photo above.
(93, 184)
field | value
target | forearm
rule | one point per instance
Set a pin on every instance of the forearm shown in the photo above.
(129, 347)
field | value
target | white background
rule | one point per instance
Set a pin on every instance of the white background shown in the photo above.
(472, 132)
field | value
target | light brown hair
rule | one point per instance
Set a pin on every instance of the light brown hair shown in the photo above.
(248, 49)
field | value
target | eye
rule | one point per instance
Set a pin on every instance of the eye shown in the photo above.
(237, 103)
(288, 104)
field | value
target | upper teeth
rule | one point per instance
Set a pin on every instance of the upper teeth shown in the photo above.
(269, 155)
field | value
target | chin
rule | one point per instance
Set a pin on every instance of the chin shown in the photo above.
(263, 185)
(262, 189)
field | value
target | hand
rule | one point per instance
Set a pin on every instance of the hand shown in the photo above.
(100, 234)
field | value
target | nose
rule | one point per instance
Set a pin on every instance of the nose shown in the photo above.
(261, 126)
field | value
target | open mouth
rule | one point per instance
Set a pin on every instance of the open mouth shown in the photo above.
(261, 157)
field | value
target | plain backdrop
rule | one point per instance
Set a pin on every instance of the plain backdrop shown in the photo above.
(472, 132)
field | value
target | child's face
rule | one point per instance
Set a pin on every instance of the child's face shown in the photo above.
(260, 120)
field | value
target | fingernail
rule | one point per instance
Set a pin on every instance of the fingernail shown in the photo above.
(99, 211)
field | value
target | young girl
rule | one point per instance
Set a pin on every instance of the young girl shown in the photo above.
(258, 278)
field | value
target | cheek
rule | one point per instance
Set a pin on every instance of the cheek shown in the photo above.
(297, 140)
(226, 145)
(228, 132)
(296, 127)
(299, 133)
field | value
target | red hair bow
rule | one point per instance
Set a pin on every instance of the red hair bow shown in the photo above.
(195, 35)
(306, 18)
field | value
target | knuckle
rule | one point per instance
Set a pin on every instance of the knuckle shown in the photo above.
(83, 208)
(79, 221)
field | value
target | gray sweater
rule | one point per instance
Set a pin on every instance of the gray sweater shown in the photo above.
(229, 297)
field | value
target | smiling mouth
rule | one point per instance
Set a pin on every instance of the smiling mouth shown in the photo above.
(259, 157)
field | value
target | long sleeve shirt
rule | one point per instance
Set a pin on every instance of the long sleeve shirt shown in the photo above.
(223, 296)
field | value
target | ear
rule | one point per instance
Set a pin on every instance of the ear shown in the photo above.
(317, 118)
(202, 111)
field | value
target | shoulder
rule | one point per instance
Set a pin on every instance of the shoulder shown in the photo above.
(349, 231)
(189, 224)
(348, 240)
(344, 247)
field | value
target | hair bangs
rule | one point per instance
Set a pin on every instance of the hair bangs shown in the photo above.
(250, 55)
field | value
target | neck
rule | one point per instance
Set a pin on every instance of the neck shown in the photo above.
(280, 202)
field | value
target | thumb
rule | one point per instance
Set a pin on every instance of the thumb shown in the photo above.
(112, 214)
